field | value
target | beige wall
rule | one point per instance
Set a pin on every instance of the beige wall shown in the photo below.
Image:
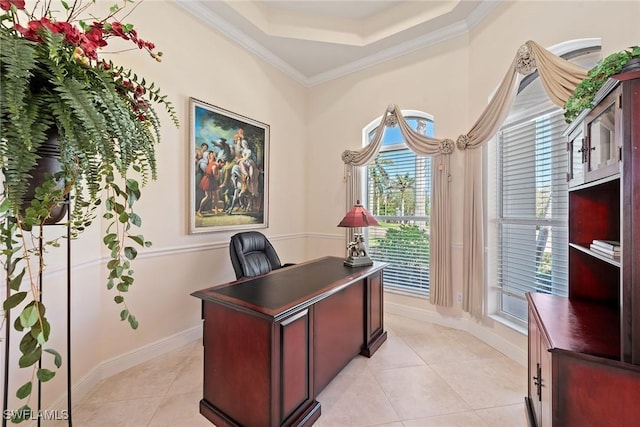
(310, 127)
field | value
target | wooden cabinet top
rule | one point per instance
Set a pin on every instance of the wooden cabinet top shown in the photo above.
(288, 289)
(577, 325)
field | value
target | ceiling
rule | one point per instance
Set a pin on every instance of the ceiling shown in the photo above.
(315, 41)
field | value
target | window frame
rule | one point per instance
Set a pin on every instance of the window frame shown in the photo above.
(364, 184)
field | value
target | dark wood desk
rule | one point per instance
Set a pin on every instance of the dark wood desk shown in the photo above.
(273, 342)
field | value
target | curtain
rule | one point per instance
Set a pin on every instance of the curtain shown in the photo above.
(440, 291)
(559, 79)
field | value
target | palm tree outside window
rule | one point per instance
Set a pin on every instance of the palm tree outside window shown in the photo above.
(398, 193)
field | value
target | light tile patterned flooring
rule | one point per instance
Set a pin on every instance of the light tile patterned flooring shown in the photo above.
(424, 375)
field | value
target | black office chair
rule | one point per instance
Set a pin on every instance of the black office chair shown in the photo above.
(252, 254)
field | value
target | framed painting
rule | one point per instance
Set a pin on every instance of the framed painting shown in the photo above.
(229, 180)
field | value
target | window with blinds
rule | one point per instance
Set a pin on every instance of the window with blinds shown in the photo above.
(528, 198)
(398, 194)
(532, 232)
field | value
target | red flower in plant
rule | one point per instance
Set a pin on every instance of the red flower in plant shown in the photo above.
(27, 33)
(91, 41)
(118, 30)
(6, 4)
(71, 34)
(94, 35)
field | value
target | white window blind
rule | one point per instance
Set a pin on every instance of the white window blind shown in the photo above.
(398, 194)
(532, 198)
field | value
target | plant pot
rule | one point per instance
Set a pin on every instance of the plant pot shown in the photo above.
(48, 164)
(631, 65)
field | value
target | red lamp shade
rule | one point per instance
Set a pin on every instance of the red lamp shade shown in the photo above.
(358, 216)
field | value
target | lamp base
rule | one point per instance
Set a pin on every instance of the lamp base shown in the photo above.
(361, 261)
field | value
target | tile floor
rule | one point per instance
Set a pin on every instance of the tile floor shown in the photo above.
(424, 375)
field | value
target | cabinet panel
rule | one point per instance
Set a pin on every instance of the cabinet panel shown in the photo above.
(576, 158)
(534, 370)
(603, 139)
(338, 323)
(596, 393)
(239, 367)
(295, 339)
(631, 214)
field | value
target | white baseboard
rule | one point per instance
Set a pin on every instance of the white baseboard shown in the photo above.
(504, 346)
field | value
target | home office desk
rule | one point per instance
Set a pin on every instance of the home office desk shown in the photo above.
(273, 342)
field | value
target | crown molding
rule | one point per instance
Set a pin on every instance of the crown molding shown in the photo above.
(214, 20)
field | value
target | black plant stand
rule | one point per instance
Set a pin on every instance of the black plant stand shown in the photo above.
(5, 400)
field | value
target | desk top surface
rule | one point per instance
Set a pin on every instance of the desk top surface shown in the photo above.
(280, 290)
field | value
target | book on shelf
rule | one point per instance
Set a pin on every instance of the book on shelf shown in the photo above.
(612, 245)
(608, 252)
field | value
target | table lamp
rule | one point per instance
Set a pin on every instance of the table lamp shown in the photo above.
(357, 217)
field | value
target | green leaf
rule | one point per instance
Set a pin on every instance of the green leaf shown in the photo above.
(17, 281)
(45, 375)
(118, 299)
(119, 208)
(29, 316)
(139, 239)
(22, 414)
(111, 237)
(133, 322)
(124, 314)
(30, 358)
(130, 252)
(43, 335)
(5, 205)
(132, 185)
(28, 344)
(24, 390)
(17, 325)
(14, 300)
(57, 359)
(135, 219)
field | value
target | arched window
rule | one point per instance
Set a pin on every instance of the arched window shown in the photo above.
(528, 198)
(397, 191)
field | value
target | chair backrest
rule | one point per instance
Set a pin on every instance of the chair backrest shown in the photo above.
(252, 254)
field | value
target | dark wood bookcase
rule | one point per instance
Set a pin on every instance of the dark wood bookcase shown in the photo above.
(584, 350)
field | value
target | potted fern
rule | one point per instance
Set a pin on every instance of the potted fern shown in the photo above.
(57, 91)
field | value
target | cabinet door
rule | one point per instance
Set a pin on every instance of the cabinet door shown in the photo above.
(576, 158)
(534, 369)
(545, 386)
(603, 138)
(540, 389)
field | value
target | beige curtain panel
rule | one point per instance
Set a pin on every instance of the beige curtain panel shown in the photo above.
(559, 78)
(440, 149)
